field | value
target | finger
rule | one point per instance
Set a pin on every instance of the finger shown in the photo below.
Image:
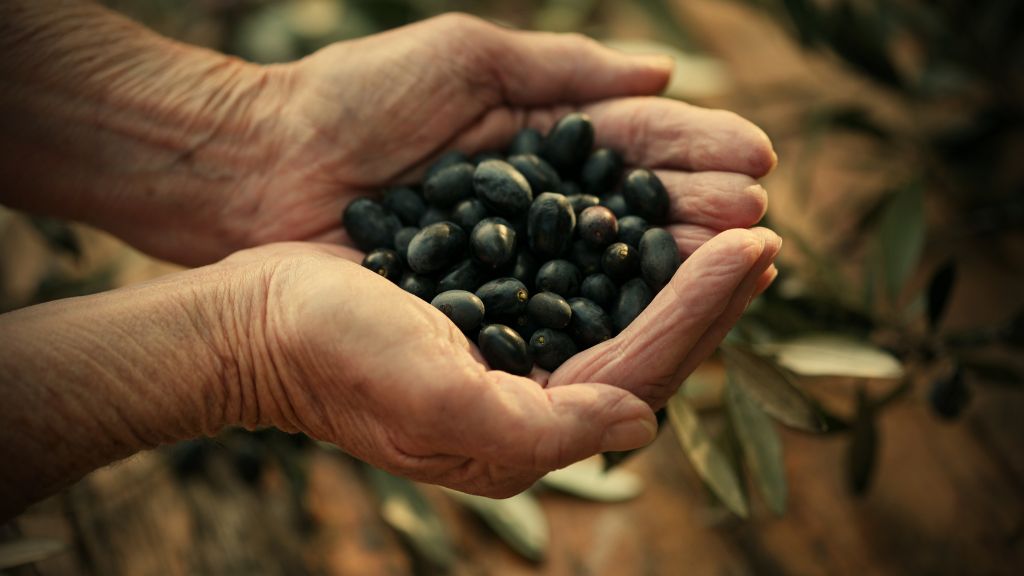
(645, 357)
(516, 423)
(718, 200)
(543, 68)
(766, 280)
(690, 237)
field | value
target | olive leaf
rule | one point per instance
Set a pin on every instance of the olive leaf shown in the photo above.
(24, 551)
(772, 389)
(900, 237)
(833, 355)
(760, 444)
(939, 289)
(518, 520)
(863, 446)
(404, 507)
(589, 479)
(714, 466)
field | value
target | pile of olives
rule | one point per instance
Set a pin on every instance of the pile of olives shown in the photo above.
(535, 254)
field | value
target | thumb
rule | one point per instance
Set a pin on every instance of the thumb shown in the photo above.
(524, 426)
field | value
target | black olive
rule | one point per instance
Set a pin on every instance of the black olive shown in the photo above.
(541, 176)
(581, 202)
(598, 226)
(402, 239)
(569, 188)
(621, 262)
(634, 296)
(631, 229)
(493, 241)
(468, 213)
(646, 196)
(569, 143)
(463, 308)
(549, 310)
(433, 215)
(601, 172)
(466, 275)
(659, 257)
(526, 141)
(369, 224)
(405, 203)
(617, 204)
(447, 159)
(559, 276)
(550, 225)
(486, 155)
(601, 289)
(525, 268)
(504, 349)
(449, 185)
(504, 297)
(590, 324)
(551, 348)
(384, 261)
(422, 287)
(436, 247)
(502, 188)
(585, 257)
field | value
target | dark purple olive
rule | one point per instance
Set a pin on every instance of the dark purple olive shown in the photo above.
(436, 247)
(369, 224)
(504, 297)
(631, 229)
(526, 141)
(559, 276)
(549, 310)
(590, 324)
(634, 296)
(504, 349)
(405, 203)
(621, 262)
(569, 143)
(600, 289)
(449, 185)
(463, 308)
(385, 262)
(551, 348)
(601, 172)
(598, 226)
(659, 257)
(493, 242)
(646, 196)
(541, 176)
(550, 224)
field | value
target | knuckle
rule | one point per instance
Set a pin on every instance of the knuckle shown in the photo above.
(460, 22)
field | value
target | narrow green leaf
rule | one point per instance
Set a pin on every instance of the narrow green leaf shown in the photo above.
(939, 289)
(833, 355)
(588, 479)
(518, 520)
(713, 466)
(772, 389)
(760, 444)
(24, 551)
(901, 235)
(409, 513)
(863, 446)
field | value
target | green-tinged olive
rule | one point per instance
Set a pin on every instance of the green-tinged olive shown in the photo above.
(469, 213)
(466, 275)
(502, 188)
(631, 229)
(402, 239)
(525, 268)
(621, 262)
(449, 158)
(569, 143)
(422, 287)
(436, 247)
(449, 185)
(549, 310)
(369, 224)
(617, 204)
(559, 276)
(526, 141)
(551, 348)
(634, 296)
(504, 349)
(585, 257)
(581, 202)
(600, 289)
(598, 226)
(384, 261)
(541, 176)
(406, 203)
(433, 215)
(646, 196)
(550, 224)
(659, 257)
(601, 172)
(504, 297)
(493, 242)
(463, 308)
(590, 324)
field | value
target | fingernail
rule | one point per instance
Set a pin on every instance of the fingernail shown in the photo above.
(629, 434)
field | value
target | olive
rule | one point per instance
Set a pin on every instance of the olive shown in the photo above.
(585, 257)
(487, 155)
(634, 296)
(405, 203)
(559, 276)
(541, 176)
(422, 287)
(598, 226)
(526, 141)
(569, 188)
(659, 257)
(493, 241)
(590, 324)
(502, 188)
(551, 348)
(402, 239)
(384, 261)
(504, 349)
(525, 268)
(550, 224)
(447, 159)
(504, 297)
(449, 185)
(620, 262)
(436, 247)
(646, 196)
(601, 172)
(468, 213)
(463, 308)
(521, 324)
(466, 275)
(569, 143)
(617, 204)
(581, 202)
(601, 289)
(433, 215)
(369, 224)
(549, 310)
(631, 229)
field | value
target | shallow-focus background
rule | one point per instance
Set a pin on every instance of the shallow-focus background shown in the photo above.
(897, 323)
